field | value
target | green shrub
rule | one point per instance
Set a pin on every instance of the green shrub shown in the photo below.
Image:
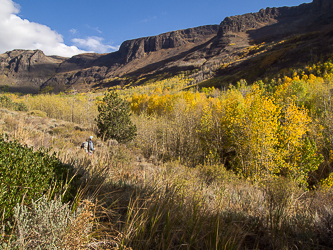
(37, 113)
(21, 107)
(6, 102)
(113, 120)
(26, 174)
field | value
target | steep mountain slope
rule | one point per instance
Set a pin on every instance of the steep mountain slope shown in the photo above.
(283, 38)
(144, 55)
(246, 46)
(27, 70)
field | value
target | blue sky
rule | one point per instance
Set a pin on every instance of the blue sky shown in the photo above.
(66, 28)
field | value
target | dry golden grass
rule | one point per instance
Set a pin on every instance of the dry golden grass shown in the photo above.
(77, 235)
(139, 203)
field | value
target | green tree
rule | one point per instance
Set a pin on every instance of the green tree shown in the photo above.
(113, 120)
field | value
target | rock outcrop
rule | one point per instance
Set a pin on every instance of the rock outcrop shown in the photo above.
(27, 68)
(138, 48)
(304, 15)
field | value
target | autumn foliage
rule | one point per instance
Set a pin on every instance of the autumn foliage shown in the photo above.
(280, 127)
(244, 167)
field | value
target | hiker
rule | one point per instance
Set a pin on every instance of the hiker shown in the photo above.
(88, 145)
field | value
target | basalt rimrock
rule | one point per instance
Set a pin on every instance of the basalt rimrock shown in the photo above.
(200, 51)
(138, 48)
(27, 69)
(283, 21)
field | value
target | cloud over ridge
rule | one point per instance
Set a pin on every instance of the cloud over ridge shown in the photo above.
(94, 43)
(18, 33)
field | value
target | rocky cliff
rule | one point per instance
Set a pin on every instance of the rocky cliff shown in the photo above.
(300, 19)
(27, 68)
(138, 48)
(200, 51)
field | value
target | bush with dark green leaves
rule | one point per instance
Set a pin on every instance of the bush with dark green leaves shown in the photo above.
(6, 102)
(113, 120)
(26, 174)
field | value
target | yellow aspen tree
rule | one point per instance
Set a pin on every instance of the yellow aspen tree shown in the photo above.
(251, 124)
(298, 154)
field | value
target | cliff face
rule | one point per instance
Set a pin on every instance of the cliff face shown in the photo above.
(22, 61)
(90, 69)
(27, 68)
(306, 13)
(203, 48)
(138, 48)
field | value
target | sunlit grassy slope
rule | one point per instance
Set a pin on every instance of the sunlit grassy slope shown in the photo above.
(245, 167)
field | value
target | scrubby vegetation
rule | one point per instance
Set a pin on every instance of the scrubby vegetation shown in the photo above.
(27, 174)
(249, 167)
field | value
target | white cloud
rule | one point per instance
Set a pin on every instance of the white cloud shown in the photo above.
(73, 31)
(94, 28)
(7, 8)
(94, 43)
(97, 29)
(17, 33)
